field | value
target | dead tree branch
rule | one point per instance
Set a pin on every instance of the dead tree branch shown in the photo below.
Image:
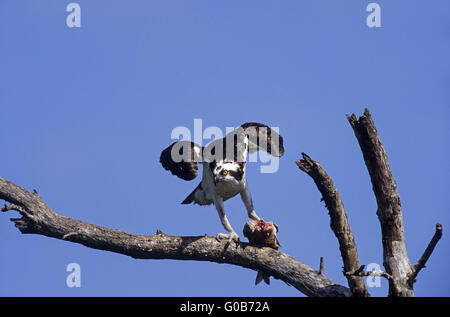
(420, 264)
(361, 272)
(321, 266)
(38, 218)
(338, 221)
(389, 211)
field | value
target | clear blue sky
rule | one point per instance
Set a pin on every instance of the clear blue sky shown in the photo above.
(85, 113)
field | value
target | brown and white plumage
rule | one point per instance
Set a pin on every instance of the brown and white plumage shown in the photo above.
(224, 167)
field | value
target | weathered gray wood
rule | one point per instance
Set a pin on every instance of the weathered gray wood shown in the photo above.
(38, 218)
(338, 221)
(420, 264)
(389, 212)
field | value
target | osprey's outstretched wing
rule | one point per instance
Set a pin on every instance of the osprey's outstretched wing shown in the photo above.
(248, 138)
(262, 138)
(181, 158)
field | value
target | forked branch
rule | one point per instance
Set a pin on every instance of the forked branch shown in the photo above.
(389, 211)
(338, 221)
(38, 218)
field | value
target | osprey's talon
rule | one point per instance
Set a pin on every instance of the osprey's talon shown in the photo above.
(223, 176)
(252, 215)
(232, 236)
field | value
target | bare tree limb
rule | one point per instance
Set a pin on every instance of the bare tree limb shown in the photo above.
(338, 221)
(389, 212)
(361, 272)
(38, 218)
(420, 264)
(321, 266)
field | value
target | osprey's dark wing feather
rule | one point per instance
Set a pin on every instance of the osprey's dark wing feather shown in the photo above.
(248, 138)
(263, 138)
(181, 158)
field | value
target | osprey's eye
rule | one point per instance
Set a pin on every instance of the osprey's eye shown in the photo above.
(224, 172)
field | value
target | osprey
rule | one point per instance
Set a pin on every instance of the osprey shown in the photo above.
(224, 167)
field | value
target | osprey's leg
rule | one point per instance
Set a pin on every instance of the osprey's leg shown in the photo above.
(231, 235)
(247, 199)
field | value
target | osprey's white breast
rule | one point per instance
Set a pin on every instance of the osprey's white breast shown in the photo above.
(228, 188)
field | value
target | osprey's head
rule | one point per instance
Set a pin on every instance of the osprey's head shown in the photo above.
(227, 171)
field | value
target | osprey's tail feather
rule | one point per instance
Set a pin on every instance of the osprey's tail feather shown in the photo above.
(189, 199)
(197, 197)
(262, 276)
